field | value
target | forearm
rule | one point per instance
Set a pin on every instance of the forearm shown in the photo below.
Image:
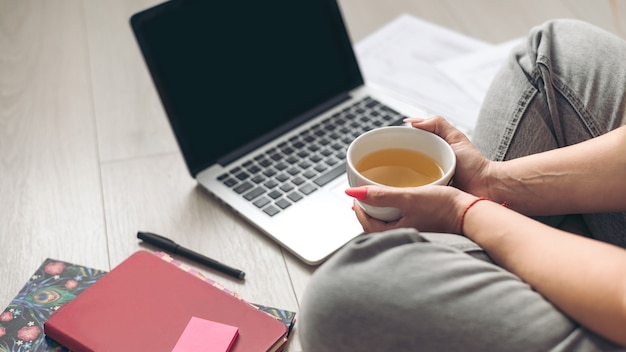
(583, 178)
(584, 278)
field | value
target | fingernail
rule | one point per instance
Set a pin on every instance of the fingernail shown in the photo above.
(357, 192)
(414, 119)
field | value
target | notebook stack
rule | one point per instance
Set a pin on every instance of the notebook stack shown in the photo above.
(149, 302)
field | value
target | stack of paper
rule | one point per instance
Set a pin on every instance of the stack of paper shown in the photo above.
(437, 69)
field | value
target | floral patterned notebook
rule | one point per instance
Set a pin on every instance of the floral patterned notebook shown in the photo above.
(57, 282)
(50, 287)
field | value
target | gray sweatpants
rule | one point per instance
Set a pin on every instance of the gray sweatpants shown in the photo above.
(402, 290)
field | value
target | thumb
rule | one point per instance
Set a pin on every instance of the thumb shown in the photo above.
(439, 126)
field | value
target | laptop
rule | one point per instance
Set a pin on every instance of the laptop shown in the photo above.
(264, 98)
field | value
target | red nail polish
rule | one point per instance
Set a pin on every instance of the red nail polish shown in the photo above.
(358, 192)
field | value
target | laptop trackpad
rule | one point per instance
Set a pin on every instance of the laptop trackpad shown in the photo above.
(339, 190)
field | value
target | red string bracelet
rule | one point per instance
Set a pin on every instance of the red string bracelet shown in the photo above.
(468, 208)
(504, 204)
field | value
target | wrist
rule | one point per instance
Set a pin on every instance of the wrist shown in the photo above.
(495, 176)
(463, 201)
(470, 207)
(466, 209)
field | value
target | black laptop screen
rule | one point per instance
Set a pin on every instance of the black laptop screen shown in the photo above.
(231, 72)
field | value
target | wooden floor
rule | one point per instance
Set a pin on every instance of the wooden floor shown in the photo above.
(87, 157)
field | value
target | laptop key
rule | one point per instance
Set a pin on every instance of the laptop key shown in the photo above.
(307, 189)
(269, 172)
(331, 174)
(280, 166)
(230, 182)
(258, 179)
(286, 187)
(309, 174)
(315, 158)
(283, 203)
(243, 187)
(282, 177)
(261, 202)
(242, 175)
(298, 181)
(330, 161)
(254, 169)
(271, 210)
(265, 162)
(294, 196)
(254, 193)
(275, 194)
(320, 168)
(270, 184)
(398, 122)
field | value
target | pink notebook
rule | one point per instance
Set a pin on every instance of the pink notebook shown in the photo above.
(145, 304)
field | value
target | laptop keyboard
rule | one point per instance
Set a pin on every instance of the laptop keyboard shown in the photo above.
(281, 176)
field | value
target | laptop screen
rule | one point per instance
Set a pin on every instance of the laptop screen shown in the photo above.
(233, 74)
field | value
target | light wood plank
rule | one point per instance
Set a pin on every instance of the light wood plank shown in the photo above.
(607, 14)
(130, 119)
(51, 203)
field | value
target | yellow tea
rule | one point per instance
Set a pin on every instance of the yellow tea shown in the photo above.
(399, 167)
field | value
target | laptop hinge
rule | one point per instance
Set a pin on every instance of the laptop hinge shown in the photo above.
(280, 130)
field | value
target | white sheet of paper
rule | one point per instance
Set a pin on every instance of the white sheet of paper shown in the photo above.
(401, 57)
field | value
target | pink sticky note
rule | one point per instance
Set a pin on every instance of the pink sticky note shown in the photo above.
(206, 336)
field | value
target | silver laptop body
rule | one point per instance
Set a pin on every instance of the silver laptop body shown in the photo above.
(264, 98)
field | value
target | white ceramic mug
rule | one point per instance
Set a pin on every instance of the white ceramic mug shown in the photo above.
(403, 137)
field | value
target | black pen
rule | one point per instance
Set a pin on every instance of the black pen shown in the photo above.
(171, 246)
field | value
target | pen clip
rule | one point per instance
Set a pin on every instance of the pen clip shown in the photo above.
(159, 241)
(143, 235)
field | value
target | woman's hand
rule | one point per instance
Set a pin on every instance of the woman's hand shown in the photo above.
(426, 208)
(472, 168)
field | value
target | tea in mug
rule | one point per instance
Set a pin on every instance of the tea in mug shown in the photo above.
(398, 167)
